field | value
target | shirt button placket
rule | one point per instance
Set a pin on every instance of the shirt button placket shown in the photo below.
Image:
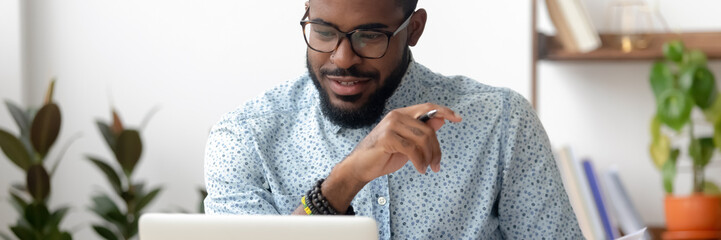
(382, 201)
(382, 210)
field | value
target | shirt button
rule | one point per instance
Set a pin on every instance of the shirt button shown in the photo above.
(382, 201)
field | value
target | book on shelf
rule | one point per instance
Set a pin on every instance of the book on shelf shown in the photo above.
(598, 197)
(601, 203)
(573, 25)
(620, 204)
(579, 194)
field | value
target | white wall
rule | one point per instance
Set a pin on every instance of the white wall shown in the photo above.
(200, 59)
(603, 109)
(10, 89)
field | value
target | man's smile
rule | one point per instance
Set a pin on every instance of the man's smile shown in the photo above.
(347, 85)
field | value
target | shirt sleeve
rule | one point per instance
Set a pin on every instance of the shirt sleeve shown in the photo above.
(533, 203)
(234, 174)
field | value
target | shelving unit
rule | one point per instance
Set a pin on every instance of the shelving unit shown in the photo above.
(709, 42)
(548, 48)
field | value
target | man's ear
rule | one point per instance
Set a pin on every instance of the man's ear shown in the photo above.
(417, 25)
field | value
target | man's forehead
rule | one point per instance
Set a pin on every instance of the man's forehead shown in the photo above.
(349, 13)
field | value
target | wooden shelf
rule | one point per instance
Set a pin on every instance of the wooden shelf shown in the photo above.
(549, 48)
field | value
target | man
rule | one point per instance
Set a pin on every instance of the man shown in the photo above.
(353, 121)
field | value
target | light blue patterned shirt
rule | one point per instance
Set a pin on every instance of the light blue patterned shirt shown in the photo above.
(498, 178)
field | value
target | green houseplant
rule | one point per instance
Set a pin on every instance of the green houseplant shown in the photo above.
(29, 152)
(127, 147)
(681, 83)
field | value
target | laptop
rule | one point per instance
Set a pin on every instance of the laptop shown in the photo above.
(157, 226)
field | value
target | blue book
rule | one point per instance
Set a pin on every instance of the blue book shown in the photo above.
(597, 195)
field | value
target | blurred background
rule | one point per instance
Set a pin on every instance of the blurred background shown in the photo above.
(197, 60)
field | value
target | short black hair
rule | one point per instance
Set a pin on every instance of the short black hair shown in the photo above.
(408, 6)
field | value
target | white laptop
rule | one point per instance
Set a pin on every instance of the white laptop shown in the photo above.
(156, 226)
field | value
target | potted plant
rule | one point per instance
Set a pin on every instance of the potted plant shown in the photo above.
(682, 83)
(29, 152)
(121, 220)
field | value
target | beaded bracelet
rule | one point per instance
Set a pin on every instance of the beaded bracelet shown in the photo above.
(305, 207)
(315, 203)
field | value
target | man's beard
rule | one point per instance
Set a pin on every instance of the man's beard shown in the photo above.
(368, 113)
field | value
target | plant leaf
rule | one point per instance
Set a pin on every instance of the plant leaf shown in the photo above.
(694, 58)
(109, 173)
(25, 139)
(674, 108)
(23, 233)
(19, 203)
(19, 115)
(5, 236)
(713, 113)
(38, 182)
(717, 134)
(704, 90)
(203, 195)
(661, 79)
(45, 128)
(706, 151)
(660, 151)
(106, 208)
(130, 148)
(669, 171)
(57, 216)
(117, 126)
(19, 187)
(139, 188)
(37, 215)
(63, 150)
(145, 200)
(66, 236)
(102, 204)
(711, 188)
(133, 227)
(148, 116)
(49, 93)
(655, 127)
(14, 150)
(699, 83)
(110, 138)
(686, 78)
(55, 234)
(673, 50)
(105, 232)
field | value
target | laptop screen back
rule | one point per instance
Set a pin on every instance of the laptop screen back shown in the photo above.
(156, 226)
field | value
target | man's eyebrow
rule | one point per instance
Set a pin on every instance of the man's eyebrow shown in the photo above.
(362, 26)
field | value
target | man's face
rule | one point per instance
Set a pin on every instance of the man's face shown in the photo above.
(352, 87)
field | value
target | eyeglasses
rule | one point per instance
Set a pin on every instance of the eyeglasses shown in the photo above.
(366, 43)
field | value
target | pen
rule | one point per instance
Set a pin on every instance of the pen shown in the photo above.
(427, 116)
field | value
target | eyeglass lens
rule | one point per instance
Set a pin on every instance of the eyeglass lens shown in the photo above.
(366, 43)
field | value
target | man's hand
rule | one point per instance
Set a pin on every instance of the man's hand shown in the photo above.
(398, 138)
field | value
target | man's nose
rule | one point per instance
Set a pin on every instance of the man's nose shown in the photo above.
(344, 57)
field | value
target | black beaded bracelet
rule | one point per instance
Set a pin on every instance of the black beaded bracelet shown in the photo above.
(319, 205)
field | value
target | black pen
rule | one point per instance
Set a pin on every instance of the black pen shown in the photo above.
(427, 116)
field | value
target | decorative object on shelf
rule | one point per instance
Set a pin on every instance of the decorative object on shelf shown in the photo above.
(126, 145)
(29, 152)
(680, 83)
(633, 21)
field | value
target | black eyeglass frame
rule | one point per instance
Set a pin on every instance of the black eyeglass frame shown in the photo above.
(388, 34)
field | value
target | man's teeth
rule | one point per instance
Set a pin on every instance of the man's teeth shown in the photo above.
(347, 83)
